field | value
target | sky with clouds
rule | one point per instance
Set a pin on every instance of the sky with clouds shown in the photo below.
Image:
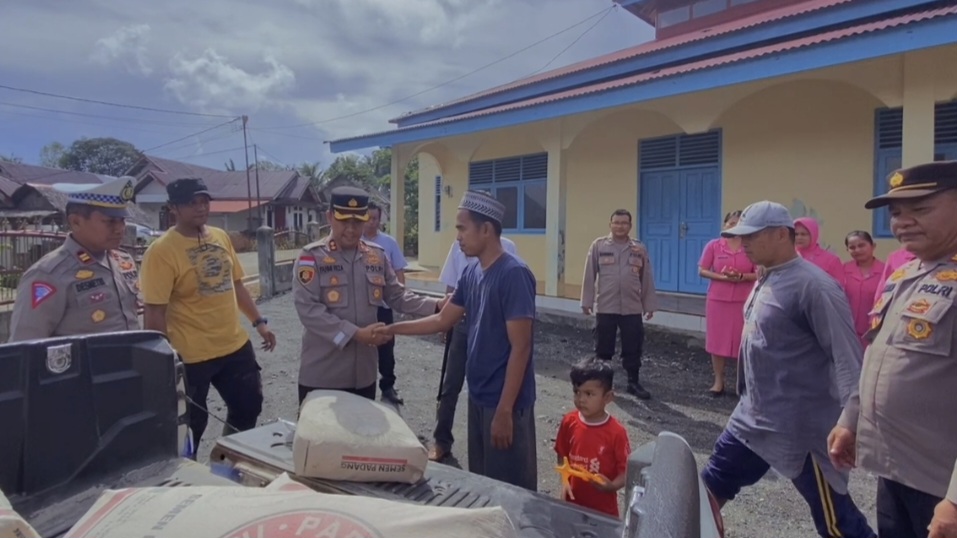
(283, 63)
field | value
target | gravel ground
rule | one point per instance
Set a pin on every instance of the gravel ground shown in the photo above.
(677, 375)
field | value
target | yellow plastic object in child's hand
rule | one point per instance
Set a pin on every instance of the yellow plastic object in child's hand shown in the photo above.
(566, 471)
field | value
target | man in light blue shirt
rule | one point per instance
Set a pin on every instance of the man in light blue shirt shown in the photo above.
(456, 342)
(393, 250)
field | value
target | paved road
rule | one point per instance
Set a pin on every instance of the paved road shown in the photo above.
(676, 375)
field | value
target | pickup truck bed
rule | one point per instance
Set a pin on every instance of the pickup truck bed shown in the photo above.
(259, 455)
(80, 415)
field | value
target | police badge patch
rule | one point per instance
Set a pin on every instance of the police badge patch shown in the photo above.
(59, 358)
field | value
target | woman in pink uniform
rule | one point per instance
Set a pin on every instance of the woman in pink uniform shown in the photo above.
(894, 261)
(732, 275)
(862, 279)
(806, 234)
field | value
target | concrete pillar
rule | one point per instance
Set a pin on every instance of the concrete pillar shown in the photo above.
(397, 195)
(313, 229)
(918, 100)
(555, 218)
(267, 262)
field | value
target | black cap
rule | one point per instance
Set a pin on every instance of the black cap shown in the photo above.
(917, 182)
(182, 191)
(349, 203)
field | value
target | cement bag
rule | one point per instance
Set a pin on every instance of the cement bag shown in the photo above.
(11, 524)
(341, 436)
(227, 512)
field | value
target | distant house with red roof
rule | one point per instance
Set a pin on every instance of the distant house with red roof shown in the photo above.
(812, 103)
(286, 199)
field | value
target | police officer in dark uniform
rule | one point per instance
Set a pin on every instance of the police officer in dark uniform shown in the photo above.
(338, 286)
(87, 285)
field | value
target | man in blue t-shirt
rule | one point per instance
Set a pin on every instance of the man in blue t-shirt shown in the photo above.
(496, 294)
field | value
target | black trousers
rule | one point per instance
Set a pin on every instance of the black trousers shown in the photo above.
(902, 511)
(632, 328)
(365, 392)
(237, 379)
(386, 353)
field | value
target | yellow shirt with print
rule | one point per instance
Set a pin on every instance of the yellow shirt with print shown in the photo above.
(194, 278)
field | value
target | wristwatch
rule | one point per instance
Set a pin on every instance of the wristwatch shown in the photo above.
(260, 321)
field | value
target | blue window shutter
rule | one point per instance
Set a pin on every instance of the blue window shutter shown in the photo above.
(888, 156)
(508, 178)
(438, 203)
(945, 123)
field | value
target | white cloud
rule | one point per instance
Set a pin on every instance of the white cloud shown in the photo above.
(210, 82)
(287, 62)
(127, 46)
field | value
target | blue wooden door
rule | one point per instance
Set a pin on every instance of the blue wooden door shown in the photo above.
(680, 211)
(700, 214)
(659, 216)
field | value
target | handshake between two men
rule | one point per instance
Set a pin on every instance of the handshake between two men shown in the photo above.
(378, 334)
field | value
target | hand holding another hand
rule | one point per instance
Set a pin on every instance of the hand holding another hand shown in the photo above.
(373, 335)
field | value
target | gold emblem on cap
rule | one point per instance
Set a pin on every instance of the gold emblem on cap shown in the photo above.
(896, 180)
(353, 203)
(127, 193)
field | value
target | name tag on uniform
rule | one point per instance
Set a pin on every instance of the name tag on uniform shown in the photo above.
(89, 284)
(606, 258)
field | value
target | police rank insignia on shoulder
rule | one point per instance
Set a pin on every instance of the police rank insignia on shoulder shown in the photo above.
(948, 275)
(919, 329)
(84, 256)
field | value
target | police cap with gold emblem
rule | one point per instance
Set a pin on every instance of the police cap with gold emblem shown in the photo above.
(917, 182)
(349, 203)
(109, 198)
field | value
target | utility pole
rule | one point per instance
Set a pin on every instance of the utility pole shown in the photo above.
(249, 187)
(259, 201)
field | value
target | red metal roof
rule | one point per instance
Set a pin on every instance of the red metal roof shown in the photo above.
(653, 46)
(751, 54)
(232, 206)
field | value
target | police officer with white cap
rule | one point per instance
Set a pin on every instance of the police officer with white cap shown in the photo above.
(87, 285)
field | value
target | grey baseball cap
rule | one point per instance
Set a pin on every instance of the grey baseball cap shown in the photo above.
(758, 216)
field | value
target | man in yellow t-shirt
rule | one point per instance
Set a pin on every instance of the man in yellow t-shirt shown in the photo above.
(193, 290)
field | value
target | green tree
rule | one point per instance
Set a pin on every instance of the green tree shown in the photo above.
(411, 239)
(51, 154)
(108, 156)
(313, 172)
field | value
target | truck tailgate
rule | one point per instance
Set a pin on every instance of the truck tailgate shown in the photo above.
(533, 514)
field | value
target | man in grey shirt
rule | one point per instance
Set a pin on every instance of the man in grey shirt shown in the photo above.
(801, 363)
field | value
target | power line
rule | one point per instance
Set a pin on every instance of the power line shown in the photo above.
(98, 116)
(192, 135)
(601, 13)
(108, 103)
(572, 44)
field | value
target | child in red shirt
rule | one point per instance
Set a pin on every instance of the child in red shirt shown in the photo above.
(592, 439)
